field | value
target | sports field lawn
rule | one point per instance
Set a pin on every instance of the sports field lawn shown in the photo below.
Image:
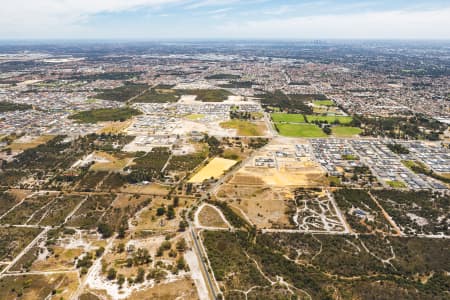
(244, 128)
(324, 103)
(195, 117)
(300, 130)
(396, 184)
(288, 118)
(330, 119)
(344, 131)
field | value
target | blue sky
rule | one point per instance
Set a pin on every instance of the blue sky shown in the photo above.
(224, 19)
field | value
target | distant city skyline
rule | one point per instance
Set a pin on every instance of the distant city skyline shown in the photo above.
(224, 19)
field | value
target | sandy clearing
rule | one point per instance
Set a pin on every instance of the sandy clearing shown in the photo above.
(196, 274)
(216, 168)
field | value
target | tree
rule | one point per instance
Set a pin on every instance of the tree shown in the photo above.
(160, 211)
(170, 213)
(129, 262)
(120, 247)
(176, 201)
(105, 230)
(140, 276)
(111, 274)
(121, 233)
(181, 245)
(181, 263)
(182, 226)
(120, 280)
(99, 252)
(327, 130)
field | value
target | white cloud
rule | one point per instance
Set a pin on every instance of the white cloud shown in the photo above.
(389, 24)
(208, 3)
(69, 19)
(57, 16)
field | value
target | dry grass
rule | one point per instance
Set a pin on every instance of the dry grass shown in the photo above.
(124, 200)
(183, 289)
(147, 220)
(115, 127)
(210, 217)
(264, 206)
(62, 259)
(24, 144)
(299, 177)
(114, 164)
(148, 189)
(214, 169)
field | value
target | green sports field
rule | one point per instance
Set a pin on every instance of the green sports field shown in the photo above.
(344, 131)
(324, 103)
(288, 118)
(300, 130)
(396, 184)
(330, 119)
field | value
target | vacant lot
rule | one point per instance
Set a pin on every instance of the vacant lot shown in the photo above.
(158, 96)
(300, 130)
(362, 213)
(13, 240)
(245, 128)
(182, 289)
(417, 212)
(30, 287)
(111, 162)
(210, 217)
(214, 169)
(56, 212)
(265, 207)
(115, 127)
(30, 142)
(23, 213)
(205, 95)
(8, 200)
(123, 93)
(105, 115)
(92, 210)
(330, 266)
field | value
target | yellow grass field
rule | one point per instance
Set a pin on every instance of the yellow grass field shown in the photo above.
(147, 189)
(24, 144)
(115, 127)
(214, 169)
(113, 163)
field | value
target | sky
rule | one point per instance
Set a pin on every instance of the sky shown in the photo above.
(224, 19)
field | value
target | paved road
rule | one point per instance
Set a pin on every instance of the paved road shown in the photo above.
(198, 252)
